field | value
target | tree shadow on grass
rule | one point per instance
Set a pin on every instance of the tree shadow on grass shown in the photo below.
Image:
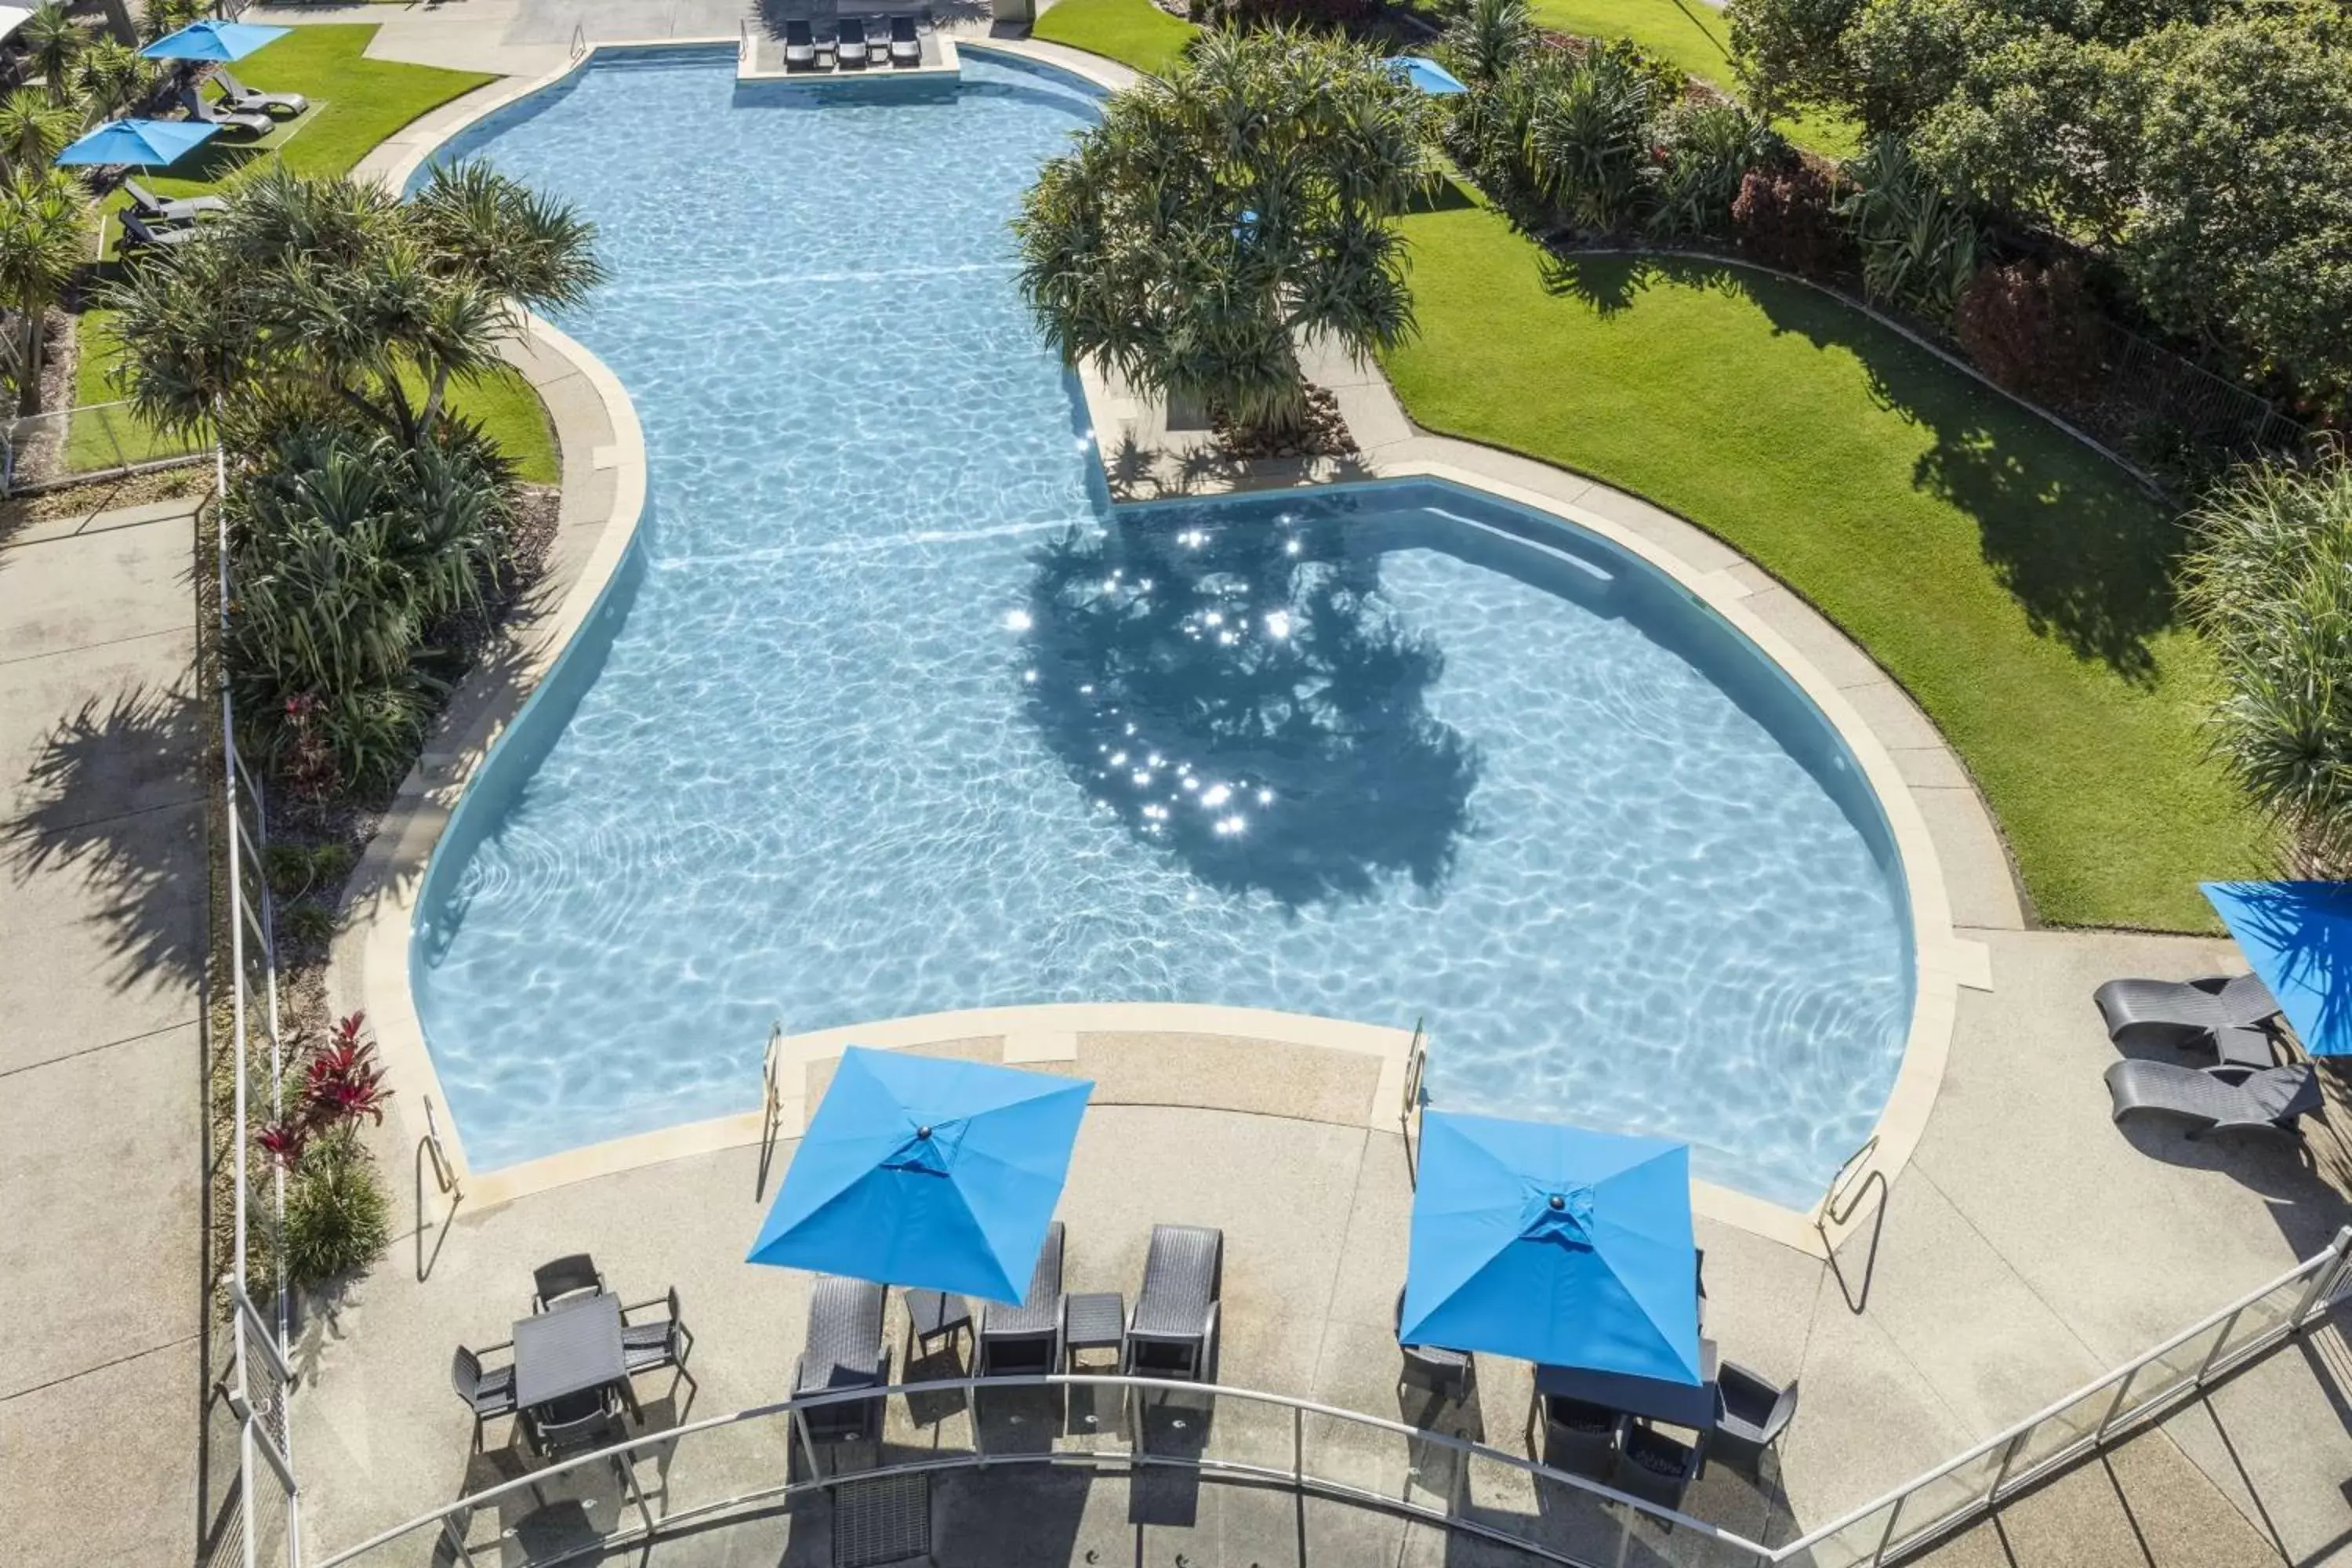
(2088, 556)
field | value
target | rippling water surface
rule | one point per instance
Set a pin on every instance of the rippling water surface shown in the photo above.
(892, 713)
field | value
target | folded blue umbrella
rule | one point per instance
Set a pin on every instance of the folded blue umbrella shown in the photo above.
(145, 143)
(1555, 1245)
(1425, 74)
(218, 41)
(2298, 937)
(927, 1172)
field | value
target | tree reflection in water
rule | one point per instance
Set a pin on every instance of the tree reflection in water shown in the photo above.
(1241, 695)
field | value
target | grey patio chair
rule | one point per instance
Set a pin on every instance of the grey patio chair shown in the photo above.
(1172, 1332)
(575, 1422)
(2219, 1099)
(1578, 1436)
(2182, 1013)
(1750, 1414)
(487, 1393)
(137, 237)
(1443, 1372)
(663, 1342)
(1655, 1467)
(1026, 1338)
(252, 100)
(849, 43)
(843, 1350)
(906, 49)
(574, 1274)
(206, 113)
(154, 208)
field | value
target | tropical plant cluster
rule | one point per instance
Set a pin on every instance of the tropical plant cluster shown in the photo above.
(1215, 216)
(319, 325)
(2197, 148)
(338, 1216)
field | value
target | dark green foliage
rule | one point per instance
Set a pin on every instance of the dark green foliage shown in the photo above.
(1487, 39)
(1710, 147)
(338, 1218)
(1919, 243)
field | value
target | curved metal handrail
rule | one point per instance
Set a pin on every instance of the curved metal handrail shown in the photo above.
(669, 1438)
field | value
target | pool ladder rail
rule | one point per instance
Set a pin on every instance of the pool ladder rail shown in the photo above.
(1848, 1190)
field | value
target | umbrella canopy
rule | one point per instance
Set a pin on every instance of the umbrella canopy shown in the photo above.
(1555, 1245)
(148, 144)
(927, 1172)
(1425, 74)
(2298, 937)
(212, 41)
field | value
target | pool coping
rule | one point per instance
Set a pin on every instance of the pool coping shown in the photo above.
(369, 963)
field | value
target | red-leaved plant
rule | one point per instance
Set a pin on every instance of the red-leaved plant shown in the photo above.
(340, 1083)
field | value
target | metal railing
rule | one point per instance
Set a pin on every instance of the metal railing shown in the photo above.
(743, 1465)
(260, 1379)
(746, 1464)
(95, 441)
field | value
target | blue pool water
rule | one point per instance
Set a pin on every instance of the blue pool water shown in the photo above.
(890, 712)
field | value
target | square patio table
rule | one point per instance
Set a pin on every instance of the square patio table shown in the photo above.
(571, 1348)
(1093, 1320)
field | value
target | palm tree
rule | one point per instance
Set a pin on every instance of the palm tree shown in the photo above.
(54, 40)
(44, 237)
(1487, 38)
(1214, 217)
(112, 75)
(33, 130)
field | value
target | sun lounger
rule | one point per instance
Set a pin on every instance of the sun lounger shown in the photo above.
(1026, 1338)
(235, 95)
(843, 1350)
(1172, 1330)
(906, 49)
(226, 119)
(2182, 1013)
(801, 51)
(849, 43)
(2218, 1099)
(137, 236)
(154, 209)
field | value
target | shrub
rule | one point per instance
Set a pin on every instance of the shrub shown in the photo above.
(1784, 217)
(307, 925)
(1710, 147)
(338, 1218)
(1588, 139)
(2270, 586)
(2030, 327)
(1919, 243)
(1487, 39)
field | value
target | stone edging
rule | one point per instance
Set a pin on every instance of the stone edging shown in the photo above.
(600, 433)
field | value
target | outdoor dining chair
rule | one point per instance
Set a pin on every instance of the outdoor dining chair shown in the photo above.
(663, 1342)
(1579, 1436)
(574, 1274)
(1172, 1330)
(487, 1393)
(1444, 1372)
(1751, 1413)
(1653, 1467)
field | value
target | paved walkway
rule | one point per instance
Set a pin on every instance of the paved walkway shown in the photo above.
(101, 1056)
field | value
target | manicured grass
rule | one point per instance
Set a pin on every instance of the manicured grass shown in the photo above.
(1695, 36)
(355, 103)
(2014, 582)
(1133, 31)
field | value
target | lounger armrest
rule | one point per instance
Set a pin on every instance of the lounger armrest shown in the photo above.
(1209, 1343)
(2243, 1124)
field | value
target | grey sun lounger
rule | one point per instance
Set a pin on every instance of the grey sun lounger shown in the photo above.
(849, 43)
(2219, 1100)
(1026, 1338)
(137, 236)
(843, 1350)
(2182, 1013)
(1172, 1329)
(906, 49)
(235, 95)
(156, 209)
(204, 113)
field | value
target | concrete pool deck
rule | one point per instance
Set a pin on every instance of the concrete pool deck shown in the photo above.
(2027, 1243)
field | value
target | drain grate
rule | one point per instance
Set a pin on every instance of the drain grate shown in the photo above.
(885, 1520)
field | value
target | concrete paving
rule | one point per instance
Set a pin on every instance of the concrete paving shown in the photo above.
(102, 1132)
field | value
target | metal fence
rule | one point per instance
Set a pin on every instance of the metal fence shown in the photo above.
(2162, 397)
(95, 441)
(260, 1377)
(742, 1466)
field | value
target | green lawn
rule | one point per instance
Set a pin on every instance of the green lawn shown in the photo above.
(1695, 36)
(1133, 31)
(355, 103)
(2016, 583)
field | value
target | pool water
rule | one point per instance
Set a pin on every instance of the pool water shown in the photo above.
(890, 711)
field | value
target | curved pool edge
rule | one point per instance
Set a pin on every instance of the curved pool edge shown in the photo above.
(369, 962)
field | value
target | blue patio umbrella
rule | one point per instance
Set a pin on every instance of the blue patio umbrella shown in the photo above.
(216, 41)
(1555, 1245)
(145, 143)
(1425, 74)
(927, 1172)
(2298, 937)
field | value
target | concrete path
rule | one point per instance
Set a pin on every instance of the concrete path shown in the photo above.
(102, 898)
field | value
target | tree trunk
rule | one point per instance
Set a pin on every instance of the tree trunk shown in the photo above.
(28, 390)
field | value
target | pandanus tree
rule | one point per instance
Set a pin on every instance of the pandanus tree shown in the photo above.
(42, 242)
(1216, 217)
(326, 298)
(54, 41)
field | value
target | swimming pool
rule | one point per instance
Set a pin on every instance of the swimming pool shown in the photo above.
(890, 712)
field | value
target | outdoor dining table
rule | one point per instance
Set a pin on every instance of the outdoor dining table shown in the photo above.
(571, 1348)
(1682, 1404)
